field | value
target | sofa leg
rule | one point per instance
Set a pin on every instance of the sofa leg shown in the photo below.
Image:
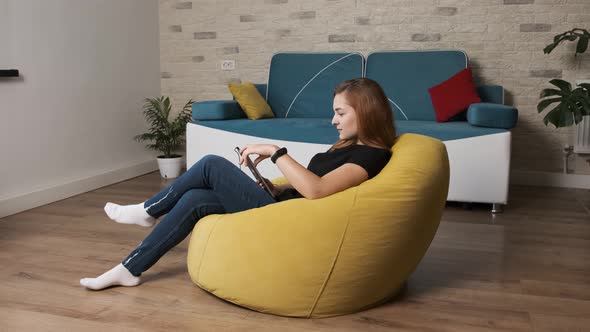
(497, 208)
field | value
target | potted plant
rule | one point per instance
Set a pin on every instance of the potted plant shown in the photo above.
(571, 104)
(165, 136)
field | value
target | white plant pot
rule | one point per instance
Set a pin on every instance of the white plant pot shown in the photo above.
(170, 167)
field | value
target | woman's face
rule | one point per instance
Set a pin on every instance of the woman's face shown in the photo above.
(344, 117)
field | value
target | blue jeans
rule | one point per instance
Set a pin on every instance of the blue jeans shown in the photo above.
(211, 186)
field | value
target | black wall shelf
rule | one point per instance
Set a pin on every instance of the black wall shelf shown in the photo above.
(9, 73)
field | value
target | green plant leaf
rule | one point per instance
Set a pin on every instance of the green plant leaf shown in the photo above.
(552, 116)
(559, 116)
(145, 137)
(585, 109)
(558, 38)
(564, 86)
(550, 92)
(580, 91)
(577, 114)
(549, 48)
(567, 118)
(546, 102)
(570, 35)
(582, 45)
(154, 113)
(167, 108)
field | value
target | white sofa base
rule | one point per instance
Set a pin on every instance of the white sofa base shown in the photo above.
(479, 165)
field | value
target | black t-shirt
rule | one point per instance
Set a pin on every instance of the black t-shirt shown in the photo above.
(370, 158)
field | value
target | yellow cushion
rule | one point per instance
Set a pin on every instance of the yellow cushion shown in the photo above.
(331, 256)
(250, 100)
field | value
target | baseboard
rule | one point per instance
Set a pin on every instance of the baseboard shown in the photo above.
(38, 198)
(549, 179)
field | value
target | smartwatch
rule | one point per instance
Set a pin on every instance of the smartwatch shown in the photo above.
(278, 154)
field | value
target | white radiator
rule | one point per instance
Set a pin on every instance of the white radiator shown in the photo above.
(582, 144)
(582, 138)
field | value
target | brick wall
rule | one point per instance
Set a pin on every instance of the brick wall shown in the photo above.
(503, 38)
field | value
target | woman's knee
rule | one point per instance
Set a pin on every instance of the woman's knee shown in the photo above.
(211, 160)
(209, 164)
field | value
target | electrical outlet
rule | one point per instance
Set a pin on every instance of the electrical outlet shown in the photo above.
(228, 64)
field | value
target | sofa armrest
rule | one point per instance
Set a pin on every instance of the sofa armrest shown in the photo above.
(492, 115)
(217, 110)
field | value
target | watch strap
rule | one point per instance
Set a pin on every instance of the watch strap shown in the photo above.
(280, 152)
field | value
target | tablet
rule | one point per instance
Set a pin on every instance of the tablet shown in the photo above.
(256, 174)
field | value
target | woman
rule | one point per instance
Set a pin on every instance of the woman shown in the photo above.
(214, 185)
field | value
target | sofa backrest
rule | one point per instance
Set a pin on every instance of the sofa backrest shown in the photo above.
(300, 85)
(491, 94)
(406, 76)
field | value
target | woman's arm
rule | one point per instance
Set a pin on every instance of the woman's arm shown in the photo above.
(304, 181)
(312, 186)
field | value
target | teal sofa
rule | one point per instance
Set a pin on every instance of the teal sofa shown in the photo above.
(299, 91)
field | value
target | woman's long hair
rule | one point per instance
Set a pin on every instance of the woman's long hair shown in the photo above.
(373, 113)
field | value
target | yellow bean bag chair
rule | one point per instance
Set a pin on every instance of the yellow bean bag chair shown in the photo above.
(331, 256)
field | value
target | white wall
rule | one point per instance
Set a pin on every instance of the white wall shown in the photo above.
(66, 126)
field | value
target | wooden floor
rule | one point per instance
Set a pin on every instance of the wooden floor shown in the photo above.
(525, 270)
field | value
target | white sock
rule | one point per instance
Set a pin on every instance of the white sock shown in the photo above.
(129, 214)
(117, 276)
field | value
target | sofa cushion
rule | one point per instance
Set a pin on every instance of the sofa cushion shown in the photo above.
(454, 95)
(250, 100)
(301, 85)
(321, 131)
(406, 77)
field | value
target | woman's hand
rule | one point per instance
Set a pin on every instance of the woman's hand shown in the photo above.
(262, 150)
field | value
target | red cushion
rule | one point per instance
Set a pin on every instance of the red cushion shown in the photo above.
(454, 95)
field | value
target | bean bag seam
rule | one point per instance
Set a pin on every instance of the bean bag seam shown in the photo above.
(325, 283)
(205, 250)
